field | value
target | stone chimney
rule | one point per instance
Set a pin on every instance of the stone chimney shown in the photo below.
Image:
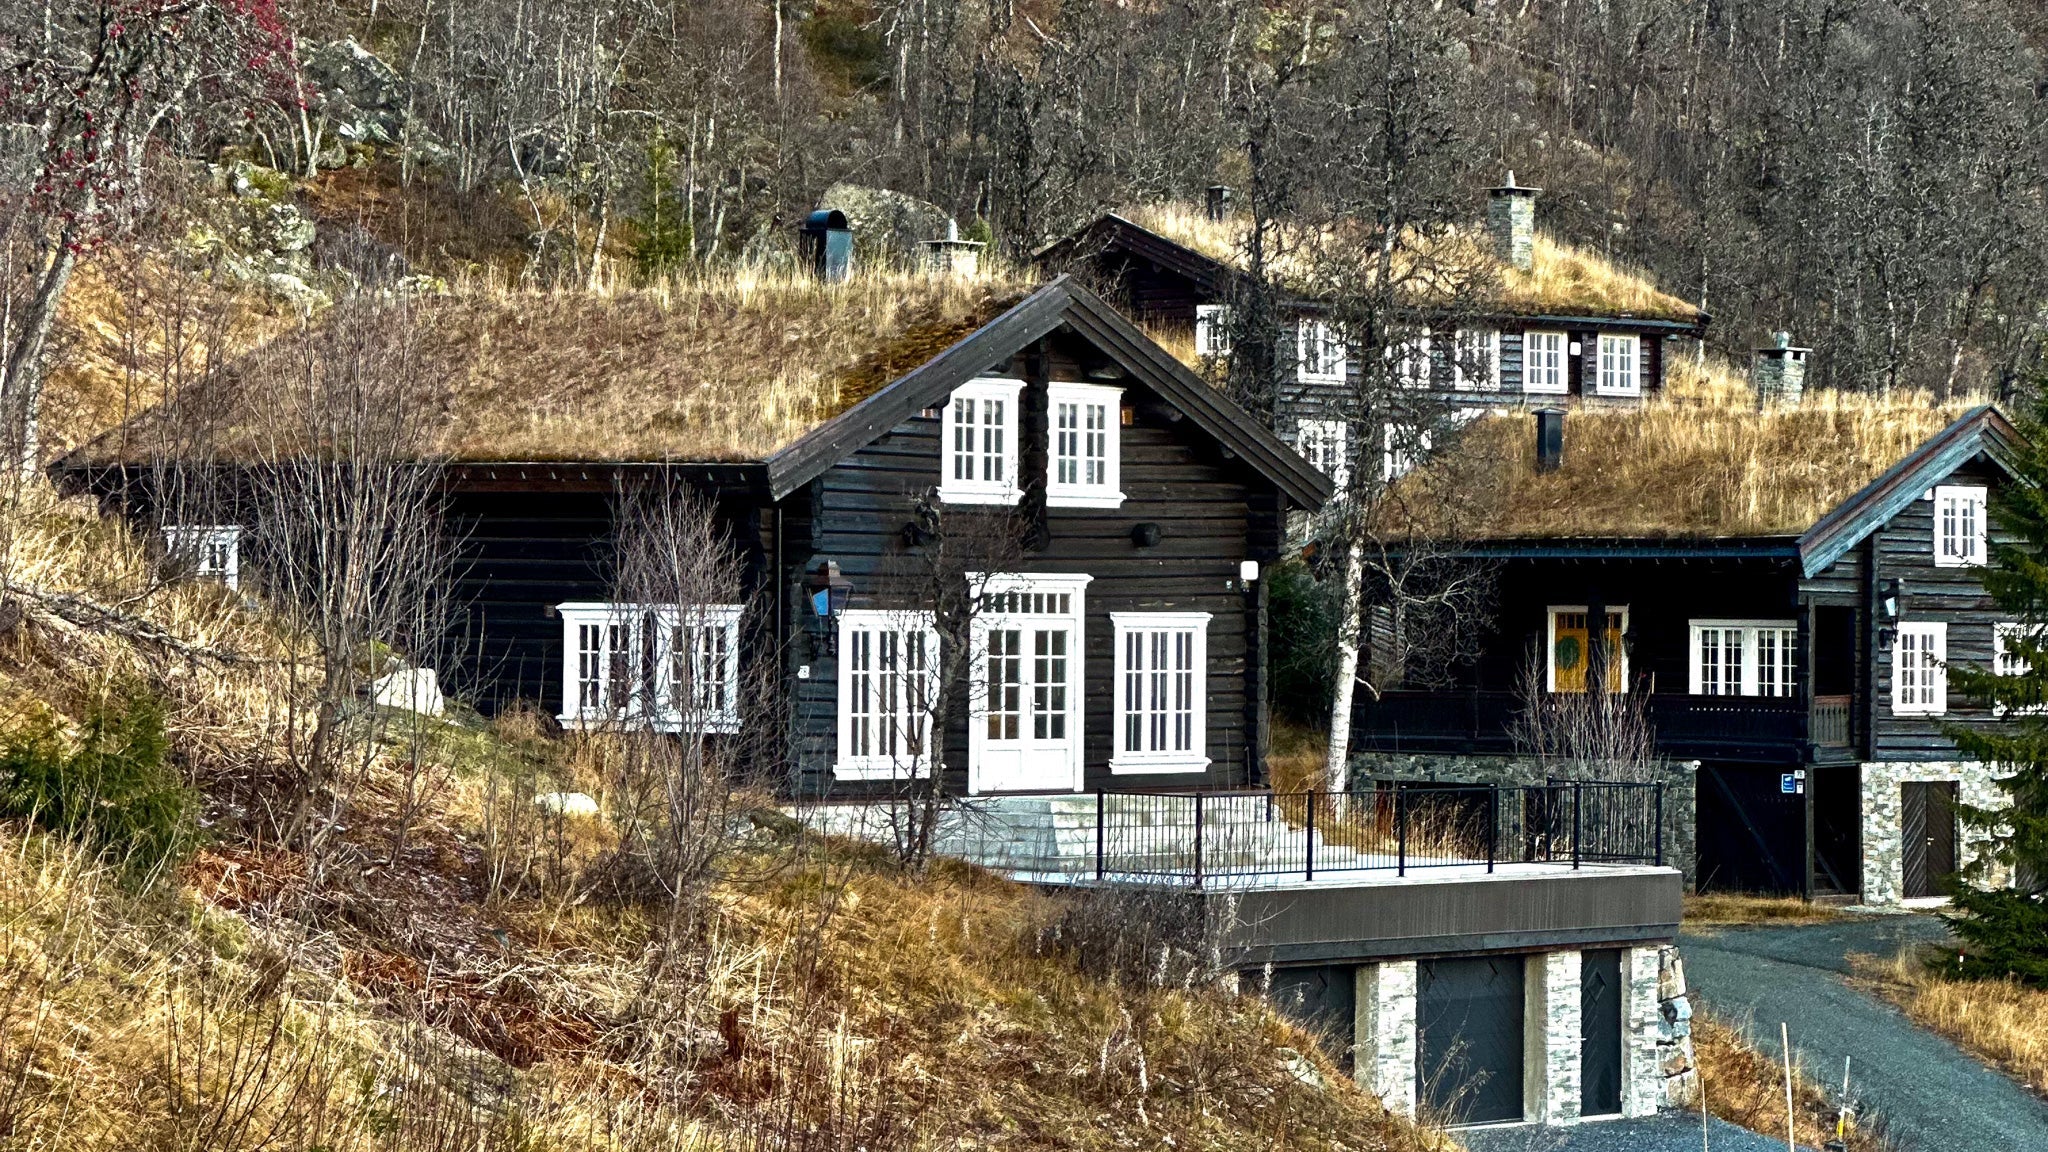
(1218, 205)
(1778, 372)
(1549, 439)
(1511, 222)
(952, 256)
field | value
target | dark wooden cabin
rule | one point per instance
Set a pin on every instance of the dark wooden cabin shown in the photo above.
(1116, 511)
(1772, 659)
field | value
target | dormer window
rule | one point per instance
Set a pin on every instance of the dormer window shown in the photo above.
(1620, 366)
(1960, 537)
(1212, 329)
(1321, 359)
(672, 668)
(979, 443)
(1083, 463)
(210, 551)
(1543, 365)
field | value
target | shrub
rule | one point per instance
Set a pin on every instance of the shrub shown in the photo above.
(110, 788)
(1302, 614)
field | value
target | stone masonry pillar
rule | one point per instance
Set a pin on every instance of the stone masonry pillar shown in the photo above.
(1385, 1034)
(1642, 1078)
(1551, 1030)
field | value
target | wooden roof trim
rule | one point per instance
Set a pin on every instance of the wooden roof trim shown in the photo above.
(1060, 302)
(1983, 430)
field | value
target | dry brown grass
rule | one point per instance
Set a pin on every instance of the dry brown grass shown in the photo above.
(1746, 1087)
(1727, 909)
(2003, 1022)
(732, 366)
(1563, 281)
(1700, 460)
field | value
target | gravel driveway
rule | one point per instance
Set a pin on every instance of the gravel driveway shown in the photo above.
(1935, 1097)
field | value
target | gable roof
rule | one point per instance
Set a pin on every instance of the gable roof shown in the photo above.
(1060, 303)
(1982, 431)
(1565, 283)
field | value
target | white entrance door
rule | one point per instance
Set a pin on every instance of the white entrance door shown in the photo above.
(1024, 731)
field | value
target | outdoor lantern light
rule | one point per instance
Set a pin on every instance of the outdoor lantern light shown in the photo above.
(829, 590)
(1891, 593)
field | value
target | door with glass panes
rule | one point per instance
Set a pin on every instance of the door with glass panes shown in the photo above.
(1024, 727)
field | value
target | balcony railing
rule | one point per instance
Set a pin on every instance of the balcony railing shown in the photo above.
(1203, 839)
(1829, 727)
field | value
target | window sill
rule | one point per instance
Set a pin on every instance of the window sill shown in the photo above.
(873, 771)
(1319, 378)
(601, 721)
(957, 495)
(1955, 562)
(1058, 499)
(1919, 713)
(1132, 766)
(1528, 391)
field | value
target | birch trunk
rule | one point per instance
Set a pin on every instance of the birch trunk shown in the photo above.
(1349, 621)
(21, 387)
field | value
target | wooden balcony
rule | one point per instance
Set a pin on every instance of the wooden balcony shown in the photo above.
(1752, 728)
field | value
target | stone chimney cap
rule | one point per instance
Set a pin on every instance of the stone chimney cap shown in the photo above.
(1510, 188)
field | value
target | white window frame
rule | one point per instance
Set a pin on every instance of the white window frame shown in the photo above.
(1550, 640)
(2005, 663)
(979, 488)
(1749, 647)
(1922, 688)
(598, 710)
(1556, 376)
(1319, 353)
(1398, 459)
(199, 542)
(1125, 626)
(1410, 364)
(898, 703)
(1326, 445)
(1481, 345)
(1962, 537)
(1618, 371)
(1107, 492)
(1212, 329)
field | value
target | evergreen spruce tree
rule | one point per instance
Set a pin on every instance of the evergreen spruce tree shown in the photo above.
(2004, 930)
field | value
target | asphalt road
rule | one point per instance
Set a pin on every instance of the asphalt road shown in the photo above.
(1668, 1133)
(1933, 1096)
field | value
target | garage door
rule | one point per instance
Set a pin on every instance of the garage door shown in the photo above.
(1470, 1058)
(1322, 998)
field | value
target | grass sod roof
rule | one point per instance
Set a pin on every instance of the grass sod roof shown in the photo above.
(1701, 462)
(1564, 280)
(729, 368)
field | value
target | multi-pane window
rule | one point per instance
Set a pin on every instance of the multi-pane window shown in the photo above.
(1049, 683)
(1620, 370)
(1476, 364)
(1321, 353)
(1960, 536)
(1571, 649)
(1003, 675)
(662, 666)
(1025, 647)
(1325, 444)
(888, 690)
(2008, 660)
(1543, 363)
(1161, 691)
(1743, 657)
(1084, 464)
(1212, 329)
(208, 551)
(1409, 362)
(1920, 670)
(979, 443)
(1401, 448)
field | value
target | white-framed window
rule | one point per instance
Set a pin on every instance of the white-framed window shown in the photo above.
(978, 463)
(1571, 648)
(1543, 363)
(888, 690)
(1320, 353)
(1960, 531)
(662, 666)
(1409, 362)
(2006, 660)
(1083, 465)
(1476, 366)
(1212, 329)
(1326, 445)
(1162, 686)
(213, 551)
(1920, 669)
(1620, 366)
(1401, 448)
(1743, 657)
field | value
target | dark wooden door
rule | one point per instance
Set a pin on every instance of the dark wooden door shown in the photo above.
(1928, 829)
(1322, 998)
(1600, 997)
(1470, 1059)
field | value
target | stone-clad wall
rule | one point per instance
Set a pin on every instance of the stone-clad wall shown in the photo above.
(1681, 840)
(1884, 815)
(1675, 1060)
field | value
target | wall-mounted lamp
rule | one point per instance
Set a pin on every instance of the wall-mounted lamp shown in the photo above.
(1248, 571)
(1891, 594)
(830, 593)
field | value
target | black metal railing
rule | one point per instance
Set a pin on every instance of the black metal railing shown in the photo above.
(1203, 838)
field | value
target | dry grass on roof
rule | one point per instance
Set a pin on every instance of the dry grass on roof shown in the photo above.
(1563, 280)
(1701, 461)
